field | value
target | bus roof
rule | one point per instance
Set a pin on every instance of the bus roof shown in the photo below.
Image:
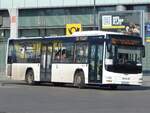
(82, 33)
(93, 33)
(46, 37)
(76, 34)
(22, 38)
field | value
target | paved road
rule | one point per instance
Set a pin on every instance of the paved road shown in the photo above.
(21, 98)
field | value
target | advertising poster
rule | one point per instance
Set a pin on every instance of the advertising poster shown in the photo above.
(127, 22)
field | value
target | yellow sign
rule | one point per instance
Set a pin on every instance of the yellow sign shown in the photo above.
(71, 28)
(114, 27)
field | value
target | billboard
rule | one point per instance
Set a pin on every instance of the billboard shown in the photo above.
(127, 22)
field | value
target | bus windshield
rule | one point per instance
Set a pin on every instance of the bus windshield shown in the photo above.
(124, 54)
(127, 55)
(124, 59)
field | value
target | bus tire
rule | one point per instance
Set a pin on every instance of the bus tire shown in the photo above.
(29, 77)
(79, 80)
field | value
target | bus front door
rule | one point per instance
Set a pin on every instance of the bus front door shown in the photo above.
(45, 69)
(95, 67)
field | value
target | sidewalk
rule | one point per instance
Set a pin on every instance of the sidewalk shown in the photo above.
(146, 80)
(4, 79)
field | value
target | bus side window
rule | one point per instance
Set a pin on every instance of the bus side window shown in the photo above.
(67, 52)
(60, 55)
(81, 53)
(56, 52)
(63, 56)
(63, 52)
(57, 55)
(11, 55)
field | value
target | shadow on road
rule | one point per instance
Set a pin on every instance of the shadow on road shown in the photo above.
(119, 88)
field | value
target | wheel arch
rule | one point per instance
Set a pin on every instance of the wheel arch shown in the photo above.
(77, 71)
(27, 70)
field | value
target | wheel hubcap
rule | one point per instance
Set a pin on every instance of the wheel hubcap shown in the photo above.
(78, 80)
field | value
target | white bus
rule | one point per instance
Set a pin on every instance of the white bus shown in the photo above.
(86, 58)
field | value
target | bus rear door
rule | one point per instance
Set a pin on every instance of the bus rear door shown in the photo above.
(45, 69)
(95, 63)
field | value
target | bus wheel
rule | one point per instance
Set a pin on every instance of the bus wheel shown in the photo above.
(29, 77)
(79, 80)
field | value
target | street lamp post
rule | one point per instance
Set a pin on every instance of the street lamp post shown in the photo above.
(94, 14)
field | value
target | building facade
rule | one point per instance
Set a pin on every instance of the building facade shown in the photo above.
(49, 17)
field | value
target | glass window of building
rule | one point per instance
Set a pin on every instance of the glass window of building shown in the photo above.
(140, 7)
(81, 15)
(1, 33)
(106, 8)
(143, 8)
(7, 33)
(55, 31)
(29, 32)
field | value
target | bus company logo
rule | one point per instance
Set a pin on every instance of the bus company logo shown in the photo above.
(71, 28)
